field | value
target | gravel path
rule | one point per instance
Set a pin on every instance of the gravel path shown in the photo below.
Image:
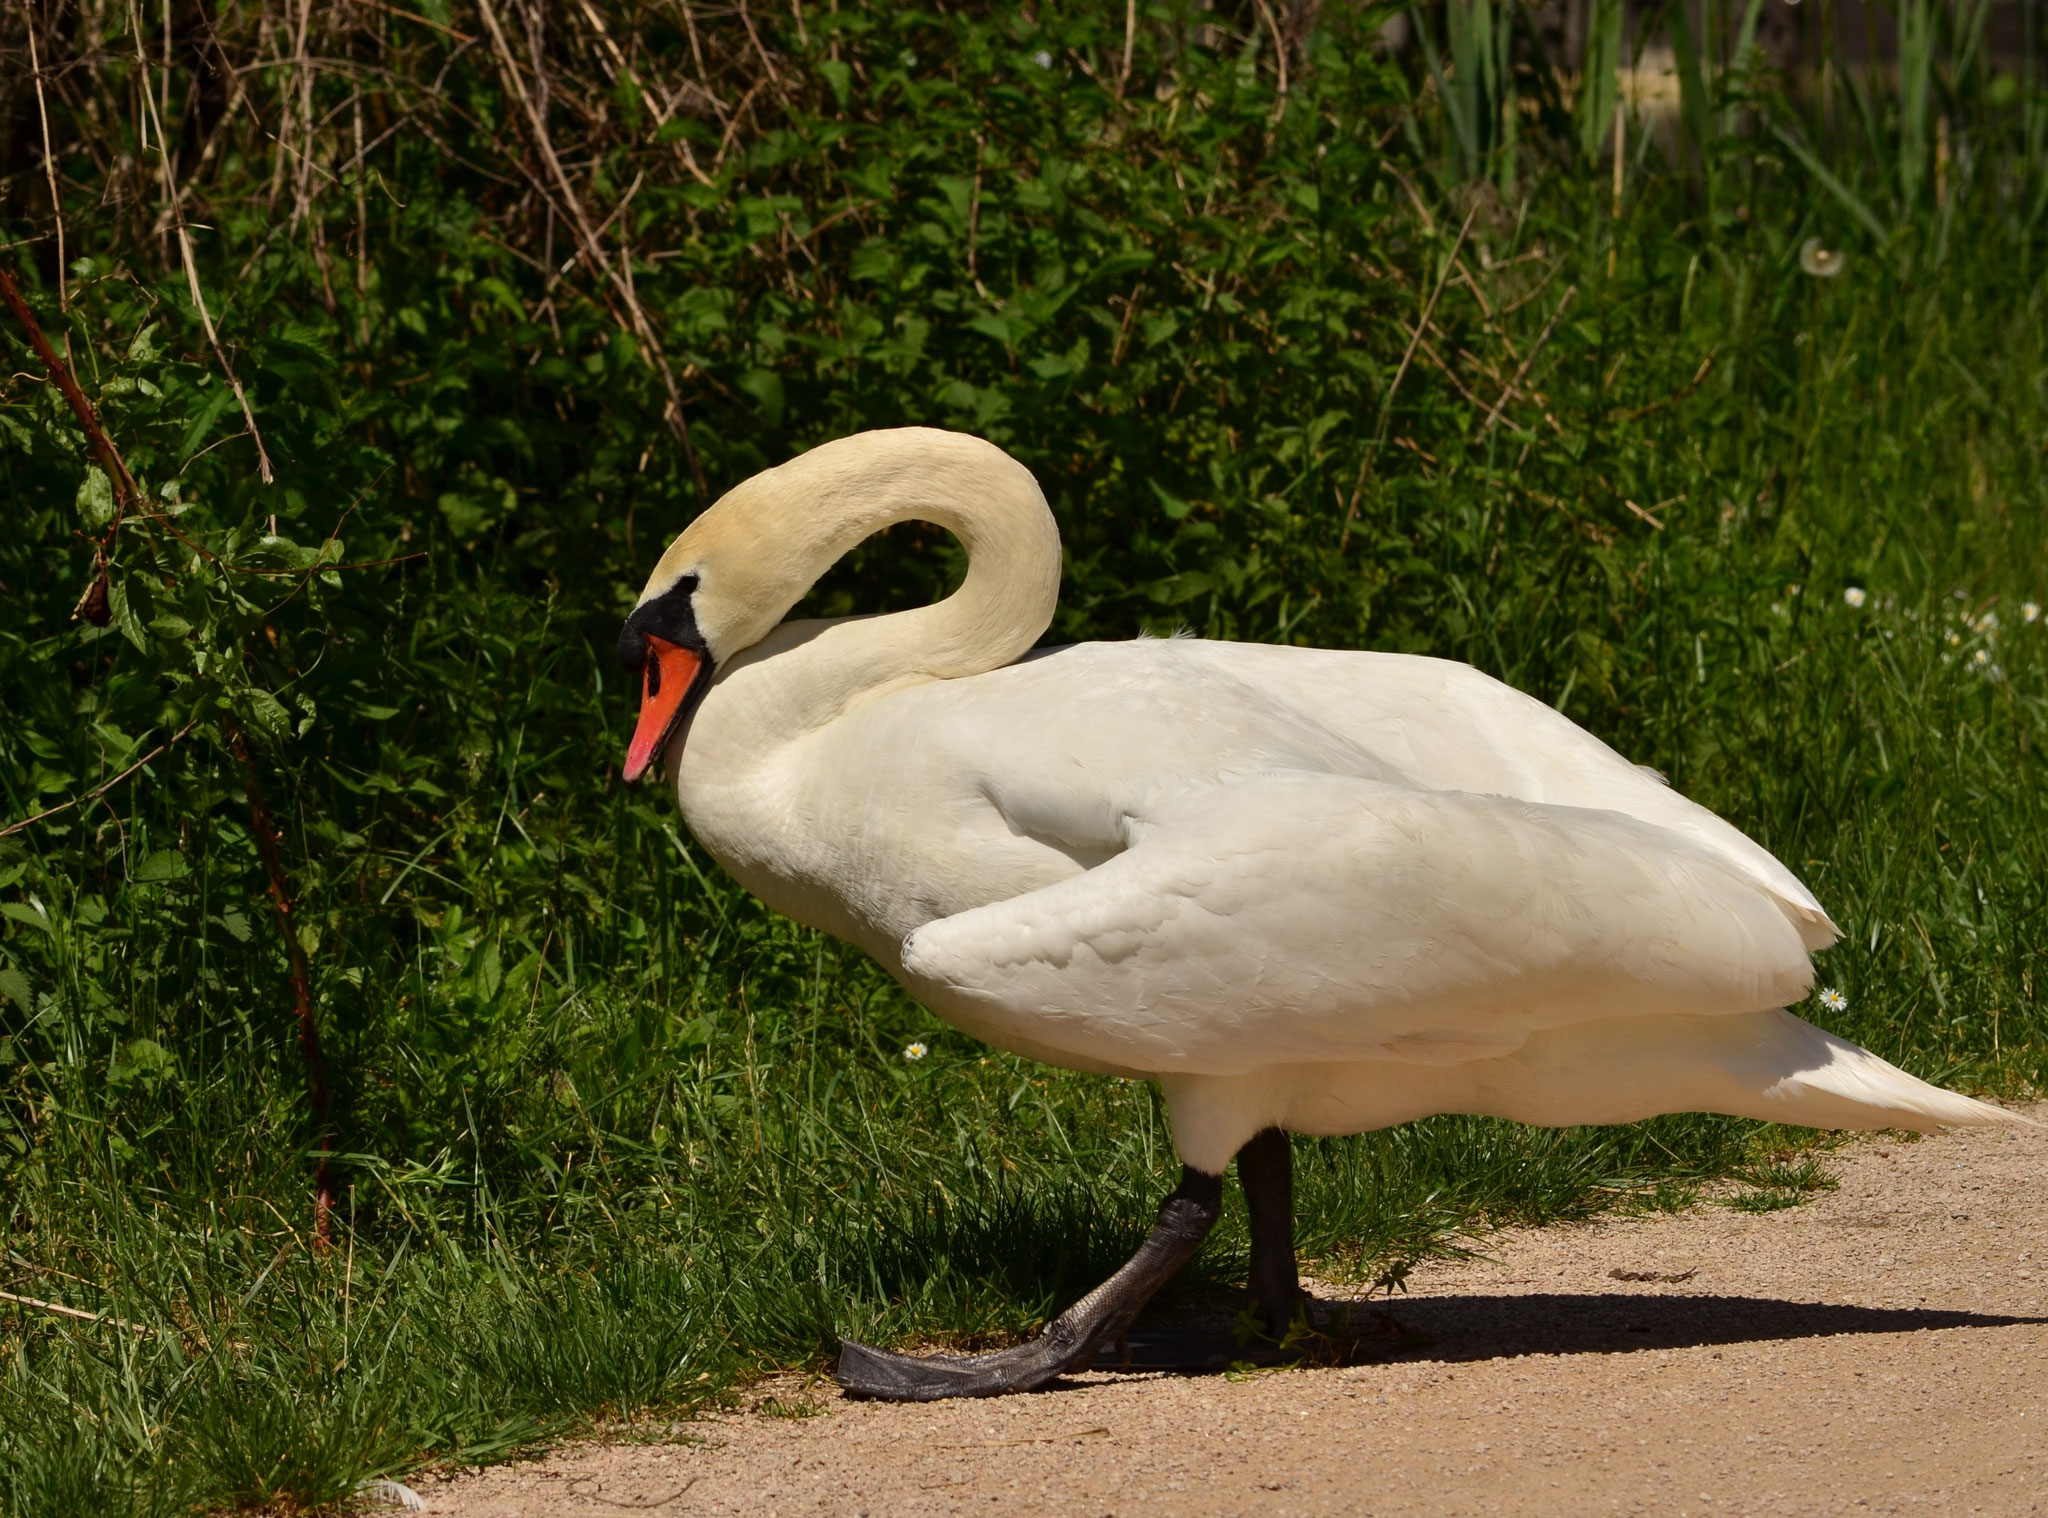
(1884, 1349)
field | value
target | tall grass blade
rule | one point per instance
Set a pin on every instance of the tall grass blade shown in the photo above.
(1692, 89)
(1916, 82)
(1599, 77)
(1847, 198)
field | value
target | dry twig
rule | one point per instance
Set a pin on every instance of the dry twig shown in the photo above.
(100, 790)
(75, 1312)
(35, 64)
(1387, 401)
(621, 276)
(1512, 387)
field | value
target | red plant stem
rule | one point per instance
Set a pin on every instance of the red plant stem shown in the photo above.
(285, 906)
(60, 375)
(93, 604)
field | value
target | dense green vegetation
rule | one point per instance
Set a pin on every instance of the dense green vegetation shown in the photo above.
(1306, 343)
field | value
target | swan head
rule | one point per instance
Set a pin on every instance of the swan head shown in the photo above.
(719, 589)
(737, 569)
(665, 644)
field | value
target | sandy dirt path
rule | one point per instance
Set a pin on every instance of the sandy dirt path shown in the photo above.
(1881, 1350)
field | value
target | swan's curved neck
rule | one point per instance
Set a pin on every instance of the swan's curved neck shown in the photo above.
(793, 523)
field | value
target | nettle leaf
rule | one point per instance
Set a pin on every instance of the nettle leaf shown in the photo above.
(873, 260)
(162, 865)
(148, 1054)
(30, 916)
(15, 987)
(142, 347)
(95, 499)
(304, 338)
(143, 1058)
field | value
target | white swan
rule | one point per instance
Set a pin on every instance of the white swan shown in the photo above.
(1303, 890)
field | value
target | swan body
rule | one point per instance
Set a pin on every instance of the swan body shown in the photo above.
(1303, 889)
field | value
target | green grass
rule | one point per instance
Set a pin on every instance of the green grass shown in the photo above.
(611, 1138)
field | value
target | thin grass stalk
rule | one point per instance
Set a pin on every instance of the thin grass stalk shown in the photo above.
(35, 64)
(284, 904)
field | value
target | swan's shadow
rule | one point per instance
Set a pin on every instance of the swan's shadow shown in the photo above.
(1606, 1323)
(1463, 1329)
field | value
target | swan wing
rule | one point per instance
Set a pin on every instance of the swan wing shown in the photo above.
(1453, 726)
(1293, 916)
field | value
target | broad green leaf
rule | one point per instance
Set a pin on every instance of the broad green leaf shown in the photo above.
(268, 714)
(95, 499)
(161, 865)
(1169, 503)
(126, 618)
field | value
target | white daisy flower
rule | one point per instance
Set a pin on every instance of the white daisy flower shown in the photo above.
(2031, 611)
(1855, 595)
(1954, 638)
(1833, 1000)
(1981, 657)
(915, 1052)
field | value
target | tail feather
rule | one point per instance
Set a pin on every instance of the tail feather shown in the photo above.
(1769, 1065)
(1832, 1083)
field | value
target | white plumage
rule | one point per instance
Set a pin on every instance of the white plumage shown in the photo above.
(1303, 889)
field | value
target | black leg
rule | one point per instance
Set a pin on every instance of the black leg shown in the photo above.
(1071, 1339)
(1265, 1168)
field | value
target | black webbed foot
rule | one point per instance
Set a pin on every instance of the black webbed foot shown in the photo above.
(1070, 1341)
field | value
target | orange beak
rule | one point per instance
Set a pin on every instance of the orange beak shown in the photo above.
(665, 681)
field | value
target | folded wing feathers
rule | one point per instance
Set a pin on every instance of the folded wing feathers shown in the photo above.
(1315, 916)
